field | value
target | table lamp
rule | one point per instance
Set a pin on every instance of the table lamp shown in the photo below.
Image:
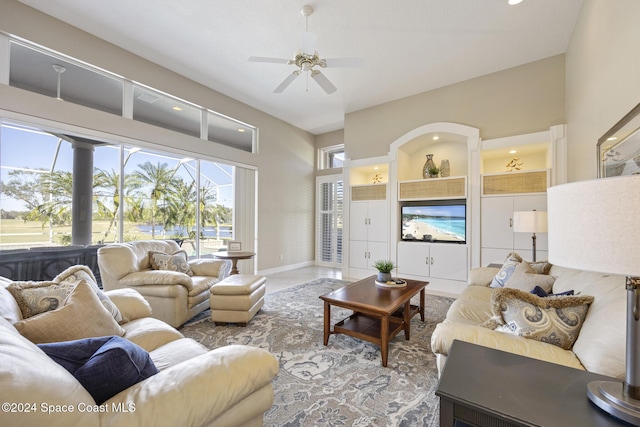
(530, 222)
(594, 225)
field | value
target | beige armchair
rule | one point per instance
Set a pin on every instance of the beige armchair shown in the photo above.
(174, 296)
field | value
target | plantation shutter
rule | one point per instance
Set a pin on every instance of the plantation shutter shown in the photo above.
(329, 221)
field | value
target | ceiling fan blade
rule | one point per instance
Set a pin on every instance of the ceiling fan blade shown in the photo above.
(344, 62)
(286, 82)
(323, 81)
(266, 59)
(308, 45)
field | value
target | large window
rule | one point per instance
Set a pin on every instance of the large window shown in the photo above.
(50, 73)
(331, 157)
(137, 193)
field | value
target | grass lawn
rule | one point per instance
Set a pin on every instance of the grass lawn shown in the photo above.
(16, 233)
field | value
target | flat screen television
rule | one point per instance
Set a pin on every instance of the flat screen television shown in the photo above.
(442, 223)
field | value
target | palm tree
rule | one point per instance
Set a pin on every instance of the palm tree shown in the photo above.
(156, 181)
(180, 208)
(106, 192)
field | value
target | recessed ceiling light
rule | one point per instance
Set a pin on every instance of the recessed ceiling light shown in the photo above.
(436, 137)
(513, 151)
(375, 168)
(612, 138)
(514, 2)
(241, 130)
(176, 108)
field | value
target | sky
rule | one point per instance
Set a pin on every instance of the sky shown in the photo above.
(21, 147)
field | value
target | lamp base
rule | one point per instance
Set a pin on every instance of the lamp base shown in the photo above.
(609, 396)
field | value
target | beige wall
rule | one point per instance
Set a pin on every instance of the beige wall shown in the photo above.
(286, 154)
(525, 99)
(603, 77)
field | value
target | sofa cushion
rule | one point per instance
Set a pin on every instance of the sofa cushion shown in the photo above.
(554, 320)
(177, 261)
(81, 316)
(525, 279)
(508, 267)
(104, 366)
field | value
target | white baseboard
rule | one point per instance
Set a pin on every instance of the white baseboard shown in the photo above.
(286, 268)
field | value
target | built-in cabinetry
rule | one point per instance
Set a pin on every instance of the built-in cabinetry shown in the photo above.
(495, 177)
(368, 228)
(420, 260)
(509, 186)
(368, 225)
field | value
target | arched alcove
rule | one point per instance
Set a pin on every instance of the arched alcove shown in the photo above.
(460, 144)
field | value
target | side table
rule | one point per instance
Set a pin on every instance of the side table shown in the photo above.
(234, 257)
(481, 386)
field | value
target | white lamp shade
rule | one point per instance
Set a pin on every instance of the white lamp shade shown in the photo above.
(530, 222)
(595, 225)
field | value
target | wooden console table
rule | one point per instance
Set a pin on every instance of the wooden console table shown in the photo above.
(481, 386)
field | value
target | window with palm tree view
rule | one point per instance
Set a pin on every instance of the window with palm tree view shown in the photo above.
(136, 193)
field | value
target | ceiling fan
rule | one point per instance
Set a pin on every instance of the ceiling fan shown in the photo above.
(307, 59)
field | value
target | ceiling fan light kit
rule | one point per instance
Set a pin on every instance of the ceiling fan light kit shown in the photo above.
(308, 60)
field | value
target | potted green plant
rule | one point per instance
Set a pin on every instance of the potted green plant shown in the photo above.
(384, 268)
(433, 171)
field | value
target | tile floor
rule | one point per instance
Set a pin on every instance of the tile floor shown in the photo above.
(278, 281)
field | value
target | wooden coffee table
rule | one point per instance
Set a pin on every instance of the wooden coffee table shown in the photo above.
(379, 314)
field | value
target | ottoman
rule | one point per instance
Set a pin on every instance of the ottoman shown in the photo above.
(237, 298)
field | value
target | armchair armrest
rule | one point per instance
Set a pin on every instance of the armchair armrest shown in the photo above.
(209, 267)
(482, 276)
(156, 277)
(131, 304)
(204, 387)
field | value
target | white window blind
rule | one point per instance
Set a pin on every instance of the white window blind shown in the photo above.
(329, 221)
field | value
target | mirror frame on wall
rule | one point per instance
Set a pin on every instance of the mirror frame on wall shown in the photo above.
(623, 141)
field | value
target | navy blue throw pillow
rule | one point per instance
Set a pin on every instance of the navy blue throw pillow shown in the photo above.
(104, 366)
(542, 293)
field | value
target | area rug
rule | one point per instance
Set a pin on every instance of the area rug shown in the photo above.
(344, 383)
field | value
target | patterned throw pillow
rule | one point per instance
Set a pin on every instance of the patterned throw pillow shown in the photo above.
(508, 267)
(555, 320)
(176, 261)
(76, 274)
(39, 297)
(82, 315)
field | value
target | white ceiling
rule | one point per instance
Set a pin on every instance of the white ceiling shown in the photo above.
(408, 46)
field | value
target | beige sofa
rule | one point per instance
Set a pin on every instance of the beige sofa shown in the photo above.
(599, 348)
(174, 296)
(228, 386)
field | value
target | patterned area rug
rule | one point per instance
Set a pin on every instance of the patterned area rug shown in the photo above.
(344, 383)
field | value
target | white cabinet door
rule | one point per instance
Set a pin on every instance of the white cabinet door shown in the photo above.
(448, 261)
(377, 251)
(378, 227)
(358, 254)
(497, 222)
(413, 258)
(358, 220)
(497, 235)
